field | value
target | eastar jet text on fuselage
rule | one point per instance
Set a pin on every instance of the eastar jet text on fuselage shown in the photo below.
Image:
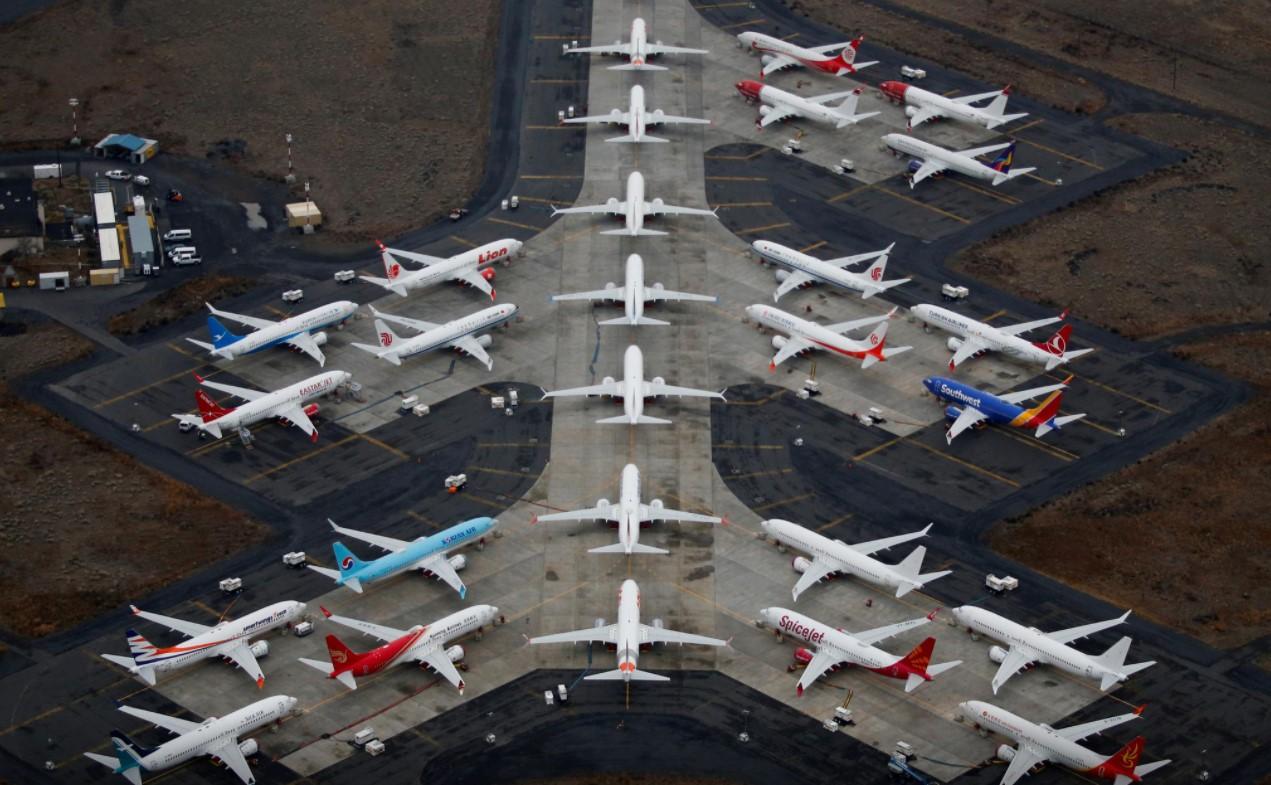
(973, 338)
(633, 295)
(286, 404)
(637, 50)
(776, 105)
(464, 335)
(799, 269)
(633, 210)
(300, 332)
(924, 105)
(638, 119)
(777, 54)
(937, 159)
(802, 336)
(466, 267)
(972, 407)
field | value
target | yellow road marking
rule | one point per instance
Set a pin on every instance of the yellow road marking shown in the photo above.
(743, 24)
(750, 475)
(1061, 154)
(994, 315)
(833, 522)
(1040, 179)
(782, 502)
(851, 193)
(967, 464)
(768, 227)
(180, 349)
(911, 200)
(508, 620)
(716, 606)
(951, 93)
(423, 518)
(812, 247)
(160, 424)
(400, 454)
(723, 178)
(536, 200)
(164, 380)
(549, 177)
(573, 127)
(36, 718)
(1026, 126)
(761, 401)
(203, 449)
(725, 205)
(749, 157)
(984, 191)
(1097, 426)
(516, 224)
(1123, 394)
(300, 458)
(462, 241)
(1036, 444)
(476, 497)
(504, 472)
(872, 450)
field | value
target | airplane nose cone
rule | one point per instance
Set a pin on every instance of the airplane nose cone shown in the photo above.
(300, 608)
(494, 611)
(289, 702)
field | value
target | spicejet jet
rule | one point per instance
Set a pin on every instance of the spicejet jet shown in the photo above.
(923, 105)
(806, 336)
(973, 338)
(470, 267)
(301, 332)
(633, 210)
(777, 54)
(287, 404)
(638, 50)
(638, 120)
(777, 105)
(633, 295)
(936, 159)
(975, 408)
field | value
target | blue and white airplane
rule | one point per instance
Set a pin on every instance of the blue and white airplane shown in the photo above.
(297, 332)
(973, 407)
(430, 554)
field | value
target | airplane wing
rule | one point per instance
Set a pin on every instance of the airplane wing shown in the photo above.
(672, 119)
(605, 634)
(469, 346)
(367, 628)
(670, 209)
(422, 258)
(826, 657)
(304, 342)
(828, 97)
(794, 345)
(1023, 327)
(187, 628)
(828, 48)
(817, 571)
(608, 49)
(618, 208)
(297, 417)
(589, 514)
(1024, 395)
(976, 152)
(652, 293)
(969, 348)
(663, 49)
(968, 418)
(414, 324)
(254, 322)
(793, 281)
(650, 634)
(231, 755)
(779, 62)
(1016, 660)
(970, 99)
(651, 389)
(475, 280)
(378, 540)
(1079, 732)
(245, 393)
(243, 658)
(439, 565)
(1077, 633)
(614, 389)
(616, 294)
(873, 546)
(648, 513)
(437, 660)
(778, 113)
(847, 261)
(171, 724)
(882, 633)
(844, 327)
(1025, 759)
(624, 118)
(929, 167)
(924, 115)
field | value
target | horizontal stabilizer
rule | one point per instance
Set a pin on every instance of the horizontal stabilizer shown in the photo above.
(325, 667)
(637, 67)
(1055, 423)
(643, 419)
(1148, 768)
(332, 574)
(629, 139)
(914, 682)
(640, 320)
(1002, 177)
(642, 232)
(202, 345)
(1004, 119)
(1054, 361)
(635, 548)
(396, 288)
(935, 670)
(621, 675)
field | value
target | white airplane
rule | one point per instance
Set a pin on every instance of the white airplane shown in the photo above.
(465, 267)
(778, 54)
(923, 105)
(634, 294)
(634, 209)
(637, 119)
(973, 338)
(628, 513)
(628, 636)
(805, 336)
(801, 270)
(777, 105)
(638, 50)
(1042, 744)
(937, 159)
(461, 334)
(633, 389)
(830, 557)
(1029, 645)
(837, 646)
(297, 332)
(214, 736)
(229, 639)
(287, 404)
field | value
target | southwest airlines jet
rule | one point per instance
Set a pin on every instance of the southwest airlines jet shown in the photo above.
(973, 407)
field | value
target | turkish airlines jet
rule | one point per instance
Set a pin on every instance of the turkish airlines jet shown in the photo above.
(805, 336)
(634, 209)
(973, 338)
(466, 267)
(637, 119)
(1042, 744)
(638, 50)
(924, 105)
(778, 54)
(633, 295)
(777, 105)
(463, 335)
(287, 404)
(799, 269)
(629, 514)
(937, 159)
(835, 647)
(633, 389)
(629, 637)
(300, 332)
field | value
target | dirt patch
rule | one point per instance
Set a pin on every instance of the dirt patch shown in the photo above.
(178, 303)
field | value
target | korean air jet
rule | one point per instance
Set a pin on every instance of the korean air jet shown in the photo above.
(301, 332)
(974, 407)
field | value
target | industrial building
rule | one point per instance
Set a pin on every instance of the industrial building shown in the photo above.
(21, 216)
(135, 149)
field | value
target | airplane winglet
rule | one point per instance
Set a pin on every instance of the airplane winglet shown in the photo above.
(135, 610)
(772, 367)
(381, 246)
(932, 616)
(324, 610)
(1064, 313)
(534, 519)
(1138, 710)
(260, 682)
(198, 378)
(314, 437)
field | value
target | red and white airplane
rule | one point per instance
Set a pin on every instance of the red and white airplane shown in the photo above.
(287, 405)
(638, 50)
(805, 336)
(973, 338)
(470, 267)
(777, 105)
(923, 105)
(638, 119)
(778, 54)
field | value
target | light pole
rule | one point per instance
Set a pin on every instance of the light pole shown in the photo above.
(291, 178)
(74, 104)
(308, 208)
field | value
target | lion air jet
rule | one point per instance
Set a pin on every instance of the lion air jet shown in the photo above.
(805, 336)
(1042, 744)
(300, 332)
(778, 54)
(799, 269)
(287, 404)
(637, 119)
(777, 105)
(467, 267)
(638, 50)
(462, 335)
(634, 294)
(837, 646)
(937, 159)
(973, 338)
(633, 389)
(633, 209)
(628, 637)
(923, 105)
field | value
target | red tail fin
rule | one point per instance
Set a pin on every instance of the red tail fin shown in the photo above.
(1058, 343)
(209, 408)
(342, 657)
(1125, 759)
(920, 657)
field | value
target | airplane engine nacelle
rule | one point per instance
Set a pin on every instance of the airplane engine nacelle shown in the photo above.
(955, 344)
(658, 204)
(600, 622)
(611, 286)
(455, 653)
(782, 274)
(778, 341)
(603, 506)
(952, 412)
(484, 340)
(311, 410)
(765, 59)
(1006, 752)
(615, 116)
(658, 286)
(607, 380)
(319, 338)
(656, 504)
(458, 562)
(997, 654)
(488, 273)
(248, 747)
(800, 564)
(656, 117)
(910, 111)
(765, 109)
(803, 656)
(260, 649)
(611, 204)
(659, 380)
(658, 623)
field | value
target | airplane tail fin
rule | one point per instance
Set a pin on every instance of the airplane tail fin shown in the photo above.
(209, 409)
(1114, 660)
(345, 560)
(127, 759)
(142, 650)
(1002, 165)
(640, 320)
(221, 335)
(392, 267)
(1056, 344)
(643, 419)
(635, 548)
(621, 675)
(998, 105)
(1124, 762)
(128, 747)
(385, 334)
(910, 571)
(878, 350)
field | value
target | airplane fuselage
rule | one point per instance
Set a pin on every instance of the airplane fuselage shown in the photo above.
(838, 553)
(1010, 345)
(628, 628)
(809, 630)
(277, 403)
(1039, 646)
(633, 383)
(766, 44)
(224, 635)
(474, 259)
(456, 625)
(214, 733)
(950, 159)
(431, 340)
(635, 202)
(442, 542)
(998, 411)
(808, 265)
(275, 334)
(809, 331)
(638, 120)
(922, 99)
(633, 291)
(1043, 739)
(639, 42)
(629, 506)
(772, 96)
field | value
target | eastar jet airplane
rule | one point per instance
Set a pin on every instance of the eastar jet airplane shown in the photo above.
(628, 637)
(296, 332)
(974, 407)
(799, 269)
(837, 646)
(428, 554)
(923, 105)
(633, 389)
(973, 338)
(287, 404)
(805, 336)
(1041, 744)
(228, 639)
(463, 335)
(830, 557)
(1028, 645)
(634, 294)
(214, 736)
(638, 50)
(637, 119)
(633, 210)
(778, 54)
(425, 644)
(466, 267)
(936, 159)
(629, 514)
(777, 105)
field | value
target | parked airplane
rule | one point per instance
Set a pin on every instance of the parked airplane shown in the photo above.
(777, 105)
(837, 646)
(638, 50)
(424, 644)
(805, 336)
(214, 736)
(628, 636)
(973, 338)
(230, 639)
(633, 210)
(287, 404)
(937, 159)
(637, 119)
(1028, 645)
(976, 407)
(923, 105)
(1041, 744)
(830, 557)
(778, 54)
(633, 389)
(799, 269)
(462, 334)
(465, 267)
(429, 554)
(634, 294)
(296, 332)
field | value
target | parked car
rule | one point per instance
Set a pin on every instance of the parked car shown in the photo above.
(141, 179)
(184, 259)
(119, 174)
(177, 234)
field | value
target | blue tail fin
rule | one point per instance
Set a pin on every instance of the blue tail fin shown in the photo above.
(1004, 160)
(345, 560)
(221, 335)
(128, 751)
